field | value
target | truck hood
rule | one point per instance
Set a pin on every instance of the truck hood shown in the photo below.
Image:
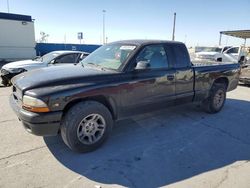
(56, 76)
(21, 64)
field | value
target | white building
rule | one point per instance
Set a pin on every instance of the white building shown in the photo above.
(17, 37)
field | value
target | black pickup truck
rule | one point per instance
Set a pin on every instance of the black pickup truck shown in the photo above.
(118, 80)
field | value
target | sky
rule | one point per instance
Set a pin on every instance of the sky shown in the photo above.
(198, 22)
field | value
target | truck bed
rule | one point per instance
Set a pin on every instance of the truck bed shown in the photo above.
(201, 63)
(205, 72)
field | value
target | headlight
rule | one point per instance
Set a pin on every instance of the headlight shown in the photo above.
(17, 70)
(34, 105)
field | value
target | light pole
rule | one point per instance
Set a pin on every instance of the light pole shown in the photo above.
(173, 35)
(103, 24)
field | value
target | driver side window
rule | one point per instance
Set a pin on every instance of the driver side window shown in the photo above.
(155, 55)
(69, 58)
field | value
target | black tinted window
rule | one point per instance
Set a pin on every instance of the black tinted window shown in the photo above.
(181, 56)
(155, 55)
(70, 58)
(233, 50)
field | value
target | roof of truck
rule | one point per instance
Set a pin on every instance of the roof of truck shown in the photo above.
(144, 41)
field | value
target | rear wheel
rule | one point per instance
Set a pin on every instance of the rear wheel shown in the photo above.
(86, 126)
(216, 100)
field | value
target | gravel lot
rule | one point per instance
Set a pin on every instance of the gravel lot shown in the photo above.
(177, 147)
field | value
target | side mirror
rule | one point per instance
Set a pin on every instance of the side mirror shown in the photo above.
(142, 65)
(241, 60)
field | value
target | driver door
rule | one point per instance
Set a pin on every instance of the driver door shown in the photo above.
(150, 88)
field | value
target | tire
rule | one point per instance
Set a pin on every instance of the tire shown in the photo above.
(216, 100)
(85, 123)
(5, 82)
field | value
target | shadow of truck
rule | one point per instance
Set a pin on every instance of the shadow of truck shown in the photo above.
(164, 147)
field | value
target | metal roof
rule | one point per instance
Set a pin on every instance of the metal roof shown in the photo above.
(244, 34)
(16, 17)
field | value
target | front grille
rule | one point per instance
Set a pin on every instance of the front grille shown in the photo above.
(17, 94)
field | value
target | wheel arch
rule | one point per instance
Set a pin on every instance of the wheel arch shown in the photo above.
(221, 80)
(106, 101)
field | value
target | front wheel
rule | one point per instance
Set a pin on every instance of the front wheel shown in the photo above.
(216, 100)
(86, 126)
(6, 82)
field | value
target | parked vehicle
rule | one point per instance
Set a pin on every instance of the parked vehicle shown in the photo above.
(222, 54)
(117, 80)
(10, 70)
(236, 54)
(211, 53)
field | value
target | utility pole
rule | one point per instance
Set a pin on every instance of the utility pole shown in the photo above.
(8, 6)
(173, 35)
(103, 24)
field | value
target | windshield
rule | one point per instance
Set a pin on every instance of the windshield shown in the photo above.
(110, 56)
(212, 49)
(47, 57)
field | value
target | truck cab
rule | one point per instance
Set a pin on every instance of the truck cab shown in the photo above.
(235, 54)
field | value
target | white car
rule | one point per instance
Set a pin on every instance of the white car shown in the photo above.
(235, 54)
(10, 70)
(212, 53)
(222, 54)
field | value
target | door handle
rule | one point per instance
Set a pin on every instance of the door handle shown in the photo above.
(170, 77)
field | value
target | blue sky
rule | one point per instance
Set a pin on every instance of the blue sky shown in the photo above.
(198, 22)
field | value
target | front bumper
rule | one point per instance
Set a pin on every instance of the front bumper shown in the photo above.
(41, 124)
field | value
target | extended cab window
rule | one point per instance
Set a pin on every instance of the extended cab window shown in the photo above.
(155, 55)
(181, 56)
(70, 58)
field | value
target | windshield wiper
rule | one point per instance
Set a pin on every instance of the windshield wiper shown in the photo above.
(95, 65)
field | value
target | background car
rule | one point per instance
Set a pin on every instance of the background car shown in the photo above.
(211, 53)
(221, 54)
(10, 70)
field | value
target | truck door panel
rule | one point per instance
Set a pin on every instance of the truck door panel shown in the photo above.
(184, 85)
(184, 77)
(150, 88)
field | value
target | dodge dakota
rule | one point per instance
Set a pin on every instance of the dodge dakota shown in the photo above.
(81, 102)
